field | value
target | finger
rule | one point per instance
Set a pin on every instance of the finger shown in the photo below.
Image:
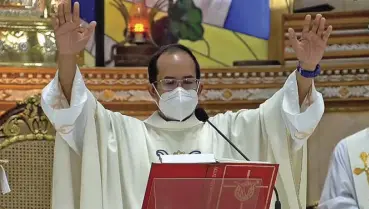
(81, 30)
(67, 12)
(307, 22)
(292, 37)
(316, 23)
(61, 14)
(91, 27)
(55, 22)
(321, 27)
(90, 30)
(327, 33)
(76, 15)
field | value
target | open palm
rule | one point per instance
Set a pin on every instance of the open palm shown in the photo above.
(311, 46)
(71, 37)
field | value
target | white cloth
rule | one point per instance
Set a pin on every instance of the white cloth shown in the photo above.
(358, 149)
(4, 184)
(102, 159)
(339, 189)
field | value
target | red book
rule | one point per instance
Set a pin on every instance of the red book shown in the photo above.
(210, 186)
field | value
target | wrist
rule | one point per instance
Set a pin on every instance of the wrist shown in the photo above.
(308, 73)
(308, 66)
(67, 57)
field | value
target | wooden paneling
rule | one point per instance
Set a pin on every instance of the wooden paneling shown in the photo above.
(344, 85)
(349, 39)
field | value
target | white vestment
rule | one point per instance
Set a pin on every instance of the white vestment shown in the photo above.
(343, 189)
(102, 159)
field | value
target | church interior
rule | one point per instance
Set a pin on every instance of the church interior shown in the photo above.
(244, 54)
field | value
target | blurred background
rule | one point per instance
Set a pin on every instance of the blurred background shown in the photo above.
(242, 48)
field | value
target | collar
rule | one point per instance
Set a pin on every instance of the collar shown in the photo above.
(157, 121)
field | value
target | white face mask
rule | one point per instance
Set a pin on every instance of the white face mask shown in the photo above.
(178, 103)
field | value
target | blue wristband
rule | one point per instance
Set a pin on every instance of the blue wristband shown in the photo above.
(308, 73)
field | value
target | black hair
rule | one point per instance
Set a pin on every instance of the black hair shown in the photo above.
(153, 67)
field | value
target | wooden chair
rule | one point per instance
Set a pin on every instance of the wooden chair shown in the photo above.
(27, 143)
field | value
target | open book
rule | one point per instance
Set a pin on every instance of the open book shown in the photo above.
(200, 158)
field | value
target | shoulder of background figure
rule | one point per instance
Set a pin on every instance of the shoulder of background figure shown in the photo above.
(358, 135)
(352, 138)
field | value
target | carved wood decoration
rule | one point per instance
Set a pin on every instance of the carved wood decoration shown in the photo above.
(345, 86)
(26, 122)
(349, 39)
(27, 143)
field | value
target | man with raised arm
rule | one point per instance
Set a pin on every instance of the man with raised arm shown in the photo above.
(102, 159)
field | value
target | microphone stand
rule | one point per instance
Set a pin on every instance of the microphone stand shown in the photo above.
(277, 204)
(229, 141)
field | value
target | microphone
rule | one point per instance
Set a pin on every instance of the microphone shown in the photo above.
(202, 116)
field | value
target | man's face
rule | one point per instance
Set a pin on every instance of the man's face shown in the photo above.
(174, 70)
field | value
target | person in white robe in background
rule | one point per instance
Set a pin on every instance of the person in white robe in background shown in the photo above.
(102, 158)
(347, 182)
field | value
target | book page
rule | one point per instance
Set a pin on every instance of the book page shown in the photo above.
(228, 160)
(188, 158)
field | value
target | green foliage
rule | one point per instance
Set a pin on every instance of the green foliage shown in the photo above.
(186, 20)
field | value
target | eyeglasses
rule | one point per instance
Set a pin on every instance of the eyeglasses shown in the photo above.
(170, 84)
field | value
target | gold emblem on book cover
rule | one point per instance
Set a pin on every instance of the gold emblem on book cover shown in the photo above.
(244, 191)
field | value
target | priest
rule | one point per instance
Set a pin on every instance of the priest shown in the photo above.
(102, 158)
(347, 182)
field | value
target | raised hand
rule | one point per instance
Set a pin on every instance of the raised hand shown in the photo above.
(310, 47)
(71, 37)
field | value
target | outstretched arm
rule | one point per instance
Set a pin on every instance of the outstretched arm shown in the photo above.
(309, 50)
(66, 100)
(298, 106)
(71, 39)
(303, 107)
